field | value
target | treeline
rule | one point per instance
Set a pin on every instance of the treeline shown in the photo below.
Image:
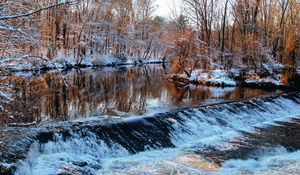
(205, 33)
(235, 33)
(80, 28)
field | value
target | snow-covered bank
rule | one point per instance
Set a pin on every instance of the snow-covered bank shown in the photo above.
(267, 78)
(34, 64)
(210, 78)
(214, 78)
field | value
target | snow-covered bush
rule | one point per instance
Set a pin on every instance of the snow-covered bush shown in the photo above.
(214, 78)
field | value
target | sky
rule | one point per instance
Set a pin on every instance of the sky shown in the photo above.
(165, 5)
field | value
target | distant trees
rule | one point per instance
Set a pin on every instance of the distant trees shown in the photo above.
(80, 28)
(202, 13)
(246, 32)
(147, 29)
(19, 21)
(265, 27)
(231, 32)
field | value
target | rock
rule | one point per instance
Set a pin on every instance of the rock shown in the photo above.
(7, 169)
(180, 80)
(111, 112)
(80, 164)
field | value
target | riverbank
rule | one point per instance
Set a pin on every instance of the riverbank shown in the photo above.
(268, 78)
(8, 66)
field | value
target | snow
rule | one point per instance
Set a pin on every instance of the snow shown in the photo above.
(12, 29)
(214, 77)
(195, 75)
(130, 61)
(220, 77)
(298, 71)
(277, 67)
(107, 60)
(9, 60)
(253, 78)
(6, 96)
(26, 63)
(235, 72)
(148, 61)
(271, 80)
(266, 67)
(264, 81)
(87, 63)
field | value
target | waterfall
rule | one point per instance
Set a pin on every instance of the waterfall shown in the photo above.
(153, 143)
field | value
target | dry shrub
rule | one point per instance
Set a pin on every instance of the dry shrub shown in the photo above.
(287, 74)
(285, 79)
(290, 48)
(185, 50)
(176, 67)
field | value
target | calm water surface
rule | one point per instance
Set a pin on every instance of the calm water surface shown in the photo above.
(117, 92)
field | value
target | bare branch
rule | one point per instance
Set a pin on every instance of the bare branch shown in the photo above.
(31, 12)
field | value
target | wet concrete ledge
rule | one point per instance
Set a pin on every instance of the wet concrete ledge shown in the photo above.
(137, 133)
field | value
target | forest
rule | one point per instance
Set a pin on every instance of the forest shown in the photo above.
(204, 33)
(131, 87)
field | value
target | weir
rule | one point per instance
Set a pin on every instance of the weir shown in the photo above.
(217, 132)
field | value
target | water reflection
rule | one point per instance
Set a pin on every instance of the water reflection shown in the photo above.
(122, 92)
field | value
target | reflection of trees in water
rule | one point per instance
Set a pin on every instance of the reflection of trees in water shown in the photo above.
(25, 107)
(93, 93)
(86, 94)
(196, 95)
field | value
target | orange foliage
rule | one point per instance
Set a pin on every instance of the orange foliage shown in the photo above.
(290, 47)
(285, 79)
(176, 67)
(186, 50)
(288, 74)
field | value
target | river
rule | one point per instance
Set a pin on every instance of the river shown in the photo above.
(130, 120)
(118, 92)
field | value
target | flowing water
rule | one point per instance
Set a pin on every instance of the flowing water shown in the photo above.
(251, 137)
(163, 128)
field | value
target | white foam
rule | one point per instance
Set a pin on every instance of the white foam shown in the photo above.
(216, 126)
(53, 157)
(276, 161)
